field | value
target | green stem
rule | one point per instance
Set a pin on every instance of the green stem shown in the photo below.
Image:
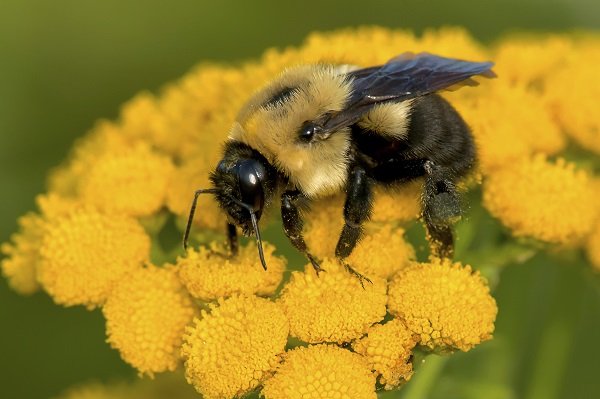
(419, 387)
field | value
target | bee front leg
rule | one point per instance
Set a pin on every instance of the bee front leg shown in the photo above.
(441, 207)
(293, 223)
(232, 239)
(357, 210)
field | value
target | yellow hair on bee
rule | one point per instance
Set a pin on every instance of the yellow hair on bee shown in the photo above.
(388, 119)
(270, 125)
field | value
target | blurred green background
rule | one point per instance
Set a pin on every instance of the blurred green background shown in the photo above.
(65, 64)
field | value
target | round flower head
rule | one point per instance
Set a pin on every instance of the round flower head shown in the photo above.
(104, 139)
(212, 273)
(133, 181)
(333, 306)
(231, 350)
(551, 202)
(572, 94)
(22, 255)
(528, 60)
(85, 252)
(447, 305)
(388, 349)
(321, 371)
(176, 121)
(146, 314)
(508, 122)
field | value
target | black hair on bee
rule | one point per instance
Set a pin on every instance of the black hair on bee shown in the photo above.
(321, 129)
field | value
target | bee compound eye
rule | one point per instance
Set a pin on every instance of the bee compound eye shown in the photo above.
(307, 131)
(250, 176)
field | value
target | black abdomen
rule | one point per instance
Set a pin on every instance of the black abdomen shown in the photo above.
(436, 132)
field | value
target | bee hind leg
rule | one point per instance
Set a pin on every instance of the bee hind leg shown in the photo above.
(357, 210)
(293, 223)
(441, 208)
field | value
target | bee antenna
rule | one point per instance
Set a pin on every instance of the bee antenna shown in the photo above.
(256, 230)
(188, 227)
(258, 240)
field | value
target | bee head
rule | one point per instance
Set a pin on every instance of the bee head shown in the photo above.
(240, 190)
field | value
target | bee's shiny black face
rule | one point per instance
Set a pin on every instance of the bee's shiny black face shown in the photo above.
(240, 189)
(250, 176)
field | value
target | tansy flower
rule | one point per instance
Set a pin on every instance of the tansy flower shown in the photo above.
(234, 348)
(321, 371)
(549, 201)
(105, 138)
(210, 273)
(22, 255)
(388, 349)
(146, 313)
(499, 132)
(332, 307)
(573, 92)
(447, 305)
(132, 181)
(84, 252)
(529, 60)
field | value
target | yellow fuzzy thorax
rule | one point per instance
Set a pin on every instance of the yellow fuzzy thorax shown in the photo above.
(318, 168)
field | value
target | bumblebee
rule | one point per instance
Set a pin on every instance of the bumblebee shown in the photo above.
(323, 129)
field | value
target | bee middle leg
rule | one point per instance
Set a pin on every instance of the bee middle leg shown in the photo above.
(441, 207)
(293, 223)
(357, 210)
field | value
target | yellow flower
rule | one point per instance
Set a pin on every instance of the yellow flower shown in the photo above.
(321, 371)
(132, 181)
(388, 349)
(211, 273)
(447, 305)
(85, 252)
(146, 313)
(529, 60)
(549, 201)
(332, 307)
(104, 139)
(573, 92)
(22, 255)
(234, 348)
(176, 122)
(508, 122)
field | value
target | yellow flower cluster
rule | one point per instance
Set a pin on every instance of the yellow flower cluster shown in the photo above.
(388, 349)
(234, 348)
(447, 305)
(210, 273)
(146, 314)
(333, 306)
(321, 371)
(551, 201)
(91, 242)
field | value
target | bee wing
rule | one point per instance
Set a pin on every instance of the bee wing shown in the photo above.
(401, 78)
